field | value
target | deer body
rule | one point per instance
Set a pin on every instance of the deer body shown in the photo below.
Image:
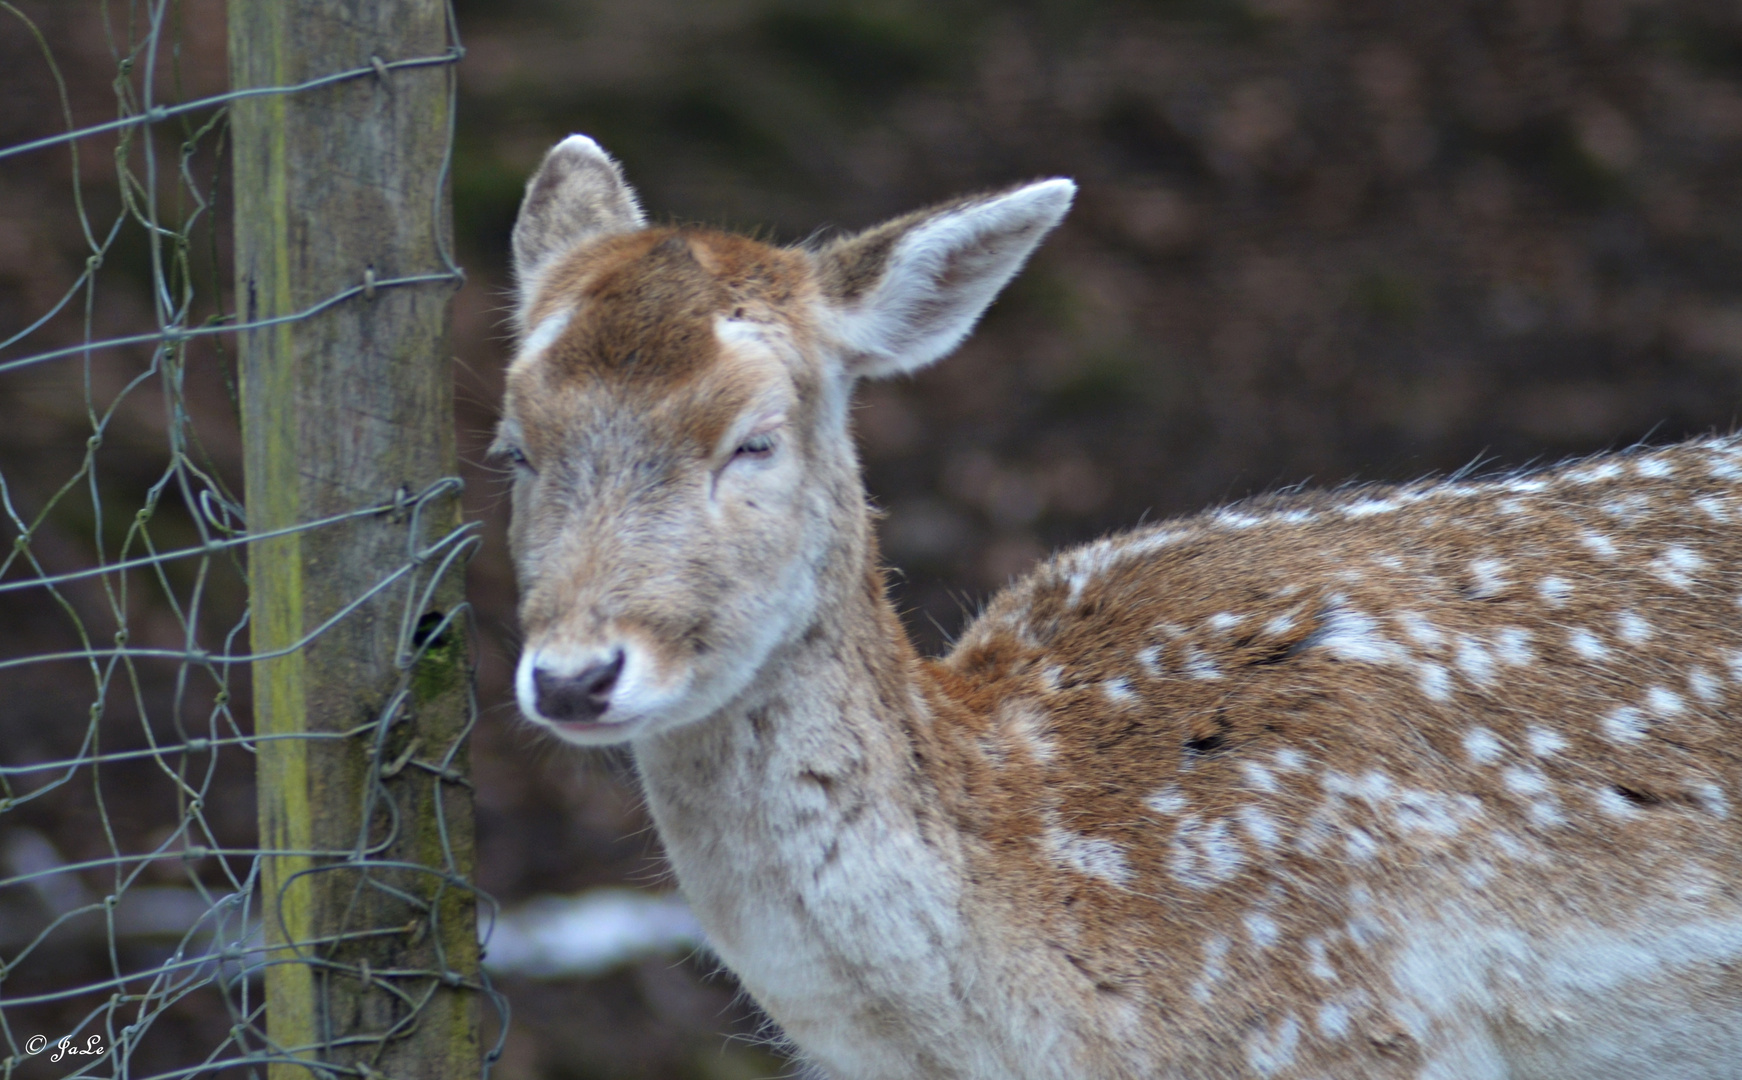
(1434, 782)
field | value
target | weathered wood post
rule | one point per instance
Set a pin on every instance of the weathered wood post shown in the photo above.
(374, 954)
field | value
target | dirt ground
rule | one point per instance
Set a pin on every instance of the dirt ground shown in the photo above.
(1317, 242)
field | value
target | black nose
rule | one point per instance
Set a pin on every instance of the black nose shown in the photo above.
(580, 697)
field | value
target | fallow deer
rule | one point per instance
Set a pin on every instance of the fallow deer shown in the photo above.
(1391, 783)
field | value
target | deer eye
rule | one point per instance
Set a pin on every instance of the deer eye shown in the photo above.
(517, 458)
(756, 446)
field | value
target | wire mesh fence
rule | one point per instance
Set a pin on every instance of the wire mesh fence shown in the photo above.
(162, 914)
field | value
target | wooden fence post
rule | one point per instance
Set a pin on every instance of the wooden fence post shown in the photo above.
(373, 961)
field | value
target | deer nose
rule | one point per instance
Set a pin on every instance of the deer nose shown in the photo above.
(583, 696)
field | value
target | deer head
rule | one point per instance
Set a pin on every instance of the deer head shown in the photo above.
(687, 500)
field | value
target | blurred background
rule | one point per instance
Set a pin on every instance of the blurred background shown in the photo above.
(1316, 242)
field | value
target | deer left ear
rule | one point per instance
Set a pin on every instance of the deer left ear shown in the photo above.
(577, 194)
(904, 294)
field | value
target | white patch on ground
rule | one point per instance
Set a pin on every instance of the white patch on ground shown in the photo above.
(581, 936)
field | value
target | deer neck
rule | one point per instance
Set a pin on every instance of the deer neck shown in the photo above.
(774, 811)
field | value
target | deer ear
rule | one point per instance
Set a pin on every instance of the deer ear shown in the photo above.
(904, 294)
(577, 194)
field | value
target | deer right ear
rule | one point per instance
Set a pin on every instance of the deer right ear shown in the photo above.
(577, 194)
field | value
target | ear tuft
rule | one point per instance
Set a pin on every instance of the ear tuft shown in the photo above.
(904, 294)
(577, 193)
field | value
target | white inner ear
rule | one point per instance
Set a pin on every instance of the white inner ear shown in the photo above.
(943, 275)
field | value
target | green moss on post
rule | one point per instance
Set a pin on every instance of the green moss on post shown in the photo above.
(340, 412)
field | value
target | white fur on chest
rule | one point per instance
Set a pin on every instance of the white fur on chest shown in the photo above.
(836, 910)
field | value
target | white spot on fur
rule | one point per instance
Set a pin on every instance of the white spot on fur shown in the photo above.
(1677, 565)
(1628, 508)
(1613, 803)
(1606, 470)
(1711, 799)
(1288, 759)
(1029, 728)
(1360, 846)
(1714, 508)
(1118, 692)
(1273, 1051)
(1544, 742)
(1333, 1020)
(1522, 781)
(1633, 629)
(1169, 800)
(1419, 630)
(1225, 621)
(1434, 681)
(1482, 746)
(1089, 856)
(1260, 827)
(1204, 855)
(1705, 685)
(1319, 960)
(1257, 776)
(1262, 929)
(1664, 702)
(1586, 644)
(1554, 591)
(1351, 635)
(1149, 659)
(1624, 725)
(1475, 660)
(1215, 951)
(1512, 647)
(1197, 664)
(1654, 467)
(1370, 507)
(1432, 812)
(1600, 545)
(1490, 577)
